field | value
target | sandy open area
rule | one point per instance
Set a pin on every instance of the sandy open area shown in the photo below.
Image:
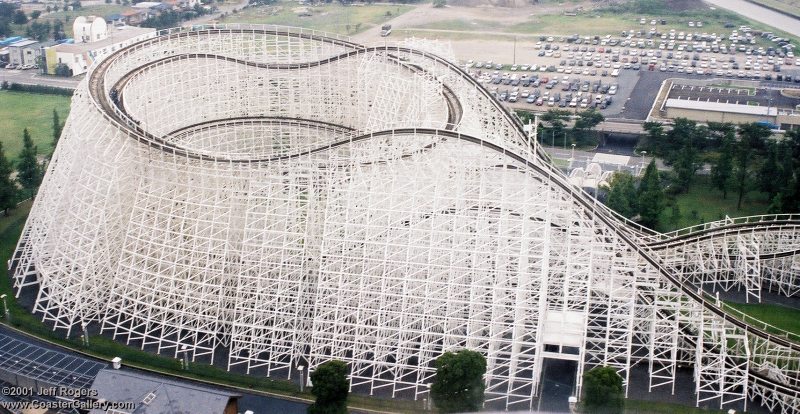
(498, 46)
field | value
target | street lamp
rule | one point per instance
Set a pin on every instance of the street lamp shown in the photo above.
(185, 351)
(641, 167)
(572, 156)
(85, 334)
(429, 400)
(302, 377)
(5, 307)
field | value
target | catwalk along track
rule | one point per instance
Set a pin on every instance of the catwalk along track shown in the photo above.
(286, 197)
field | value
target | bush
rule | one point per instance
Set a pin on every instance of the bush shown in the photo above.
(602, 391)
(63, 70)
(458, 385)
(330, 388)
(49, 90)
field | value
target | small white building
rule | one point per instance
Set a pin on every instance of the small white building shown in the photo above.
(89, 29)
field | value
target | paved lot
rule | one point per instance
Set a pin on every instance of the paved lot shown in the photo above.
(32, 77)
(762, 97)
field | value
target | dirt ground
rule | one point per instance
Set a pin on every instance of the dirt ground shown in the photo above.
(499, 46)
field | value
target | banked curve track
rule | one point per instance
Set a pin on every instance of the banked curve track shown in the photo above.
(770, 347)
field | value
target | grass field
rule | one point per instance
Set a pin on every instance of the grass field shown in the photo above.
(654, 407)
(785, 318)
(20, 110)
(789, 6)
(704, 203)
(333, 18)
(604, 22)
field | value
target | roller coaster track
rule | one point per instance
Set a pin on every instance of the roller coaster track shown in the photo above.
(638, 239)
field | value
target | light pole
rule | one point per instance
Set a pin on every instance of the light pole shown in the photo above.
(515, 51)
(85, 334)
(302, 377)
(185, 352)
(641, 167)
(429, 400)
(572, 156)
(565, 139)
(5, 308)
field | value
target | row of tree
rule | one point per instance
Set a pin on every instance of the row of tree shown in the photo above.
(742, 159)
(28, 167)
(736, 155)
(41, 31)
(553, 125)
(459, 386)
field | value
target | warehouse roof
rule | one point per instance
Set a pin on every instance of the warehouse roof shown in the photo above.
(721, 107)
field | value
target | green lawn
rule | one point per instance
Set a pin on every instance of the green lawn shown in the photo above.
(332, 18)
(604, 22)
(653, 407)
(782, 317)
(19, 110)
(703, 203)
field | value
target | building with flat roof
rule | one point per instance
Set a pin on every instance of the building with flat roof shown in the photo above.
(705, 111)
(152, 394)
(23, 52)
(79, 56)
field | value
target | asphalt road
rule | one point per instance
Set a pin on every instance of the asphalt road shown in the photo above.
(753, 11)
(32, 77)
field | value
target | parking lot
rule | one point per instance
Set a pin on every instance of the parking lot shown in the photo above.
(620, 76)
(742, 96)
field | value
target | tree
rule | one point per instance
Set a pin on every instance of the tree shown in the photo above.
(651, 196)
(439, 3)
(769, 174)
(35, 14)
(57, 127)
(602, 391)
(63, 70)
(654, 137)
(330, 388)
(587, 120)
(722, 170)
(685, 167)
(20, 17)
(675, 218)
(554, 117)
(458, 385)
(751, 142)
(38, 31)
(58, 30)
(29, 170)
(622, 194)
(8, 189)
